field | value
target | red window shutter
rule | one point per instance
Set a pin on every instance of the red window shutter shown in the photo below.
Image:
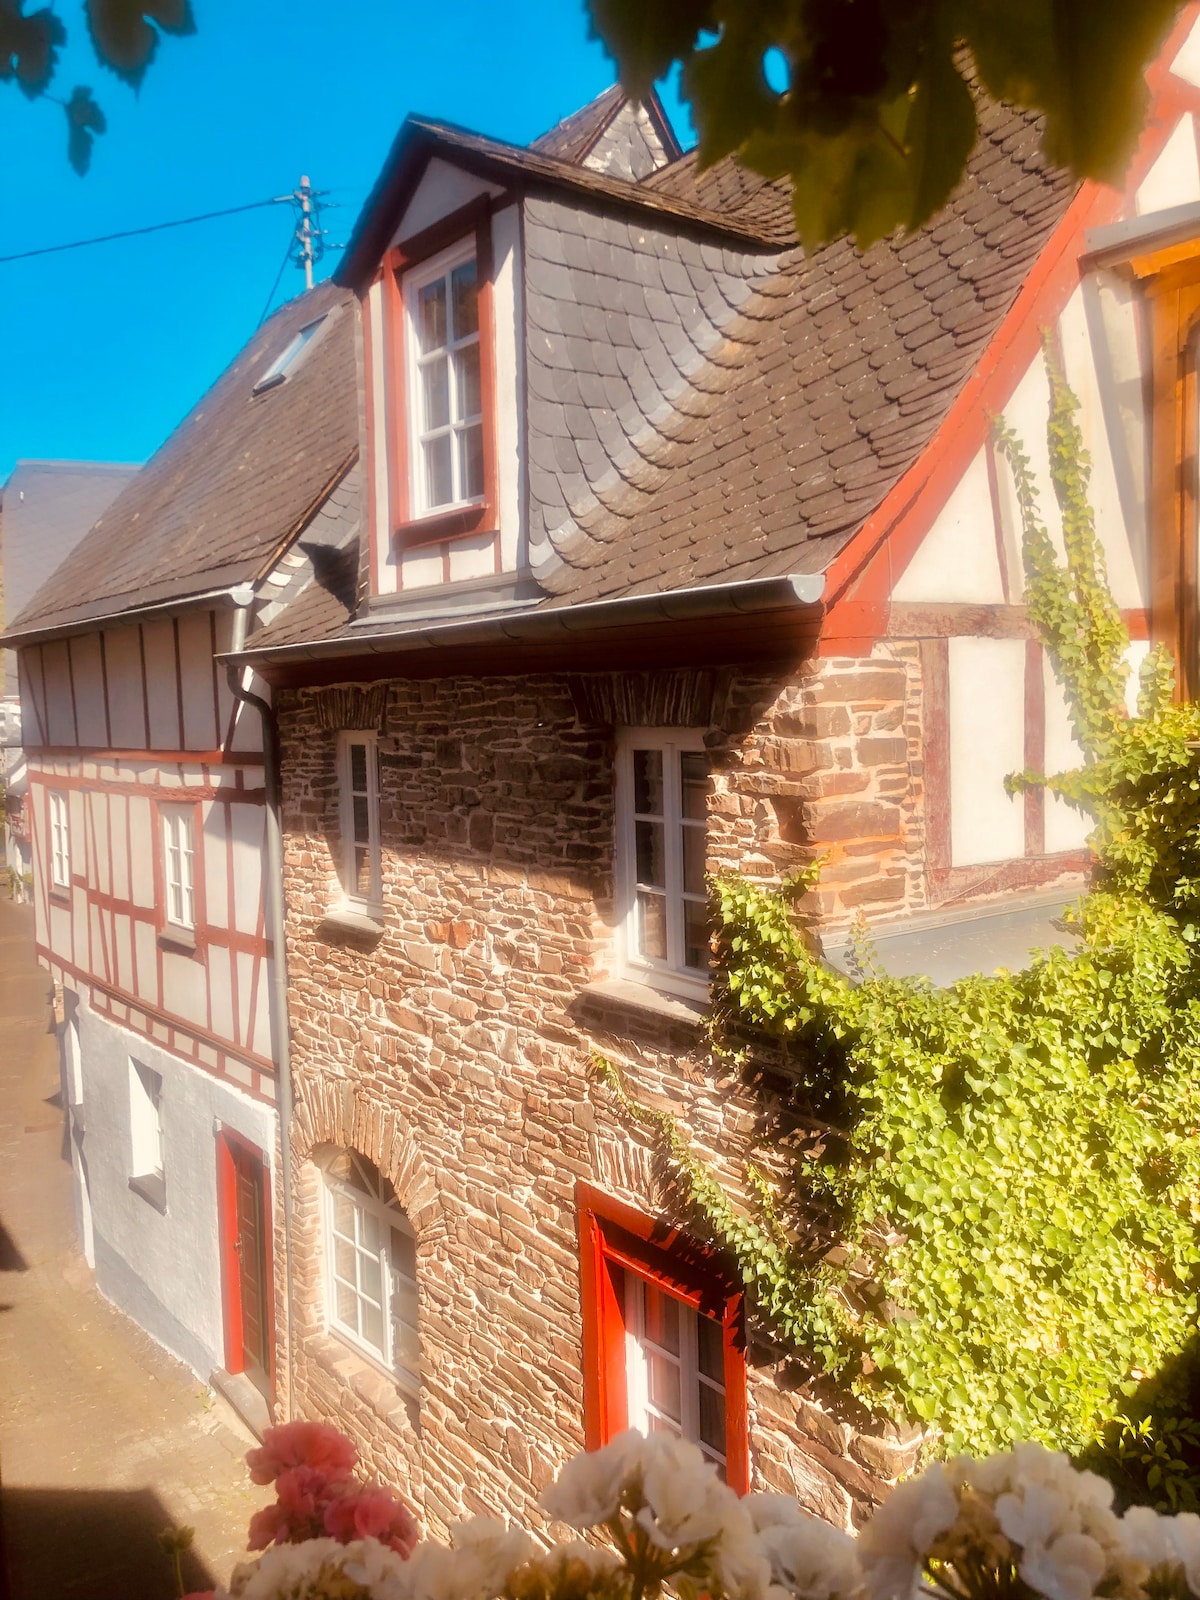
(615, 1238)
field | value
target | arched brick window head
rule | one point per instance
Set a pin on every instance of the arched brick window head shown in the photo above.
(663, 1335)
(370, 1266)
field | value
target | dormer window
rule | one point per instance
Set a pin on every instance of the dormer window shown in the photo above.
(442, 307)
(440, 379)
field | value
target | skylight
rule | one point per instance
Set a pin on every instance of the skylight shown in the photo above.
(284, 364)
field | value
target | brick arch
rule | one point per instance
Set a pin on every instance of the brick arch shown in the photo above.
(330, 1112)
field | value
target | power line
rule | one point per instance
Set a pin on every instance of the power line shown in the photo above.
(287, 256)
(155, 227)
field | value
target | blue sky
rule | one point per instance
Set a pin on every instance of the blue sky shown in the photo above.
(105, 349)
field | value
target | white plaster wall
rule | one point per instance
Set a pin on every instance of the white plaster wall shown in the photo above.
(1138, 650)
(443, 189)
(1174, 179)
(1026, 413)
(1065, 827)
(958, 559)
(380, 423)
(1186, 64)
(987, 736)
(162, 1270)
(509, 318)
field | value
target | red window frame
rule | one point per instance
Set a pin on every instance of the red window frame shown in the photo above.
(407, 530)
(615, 1238)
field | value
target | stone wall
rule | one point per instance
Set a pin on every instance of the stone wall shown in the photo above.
(454, 1049)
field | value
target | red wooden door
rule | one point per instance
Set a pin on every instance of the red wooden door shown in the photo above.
(246, 1260)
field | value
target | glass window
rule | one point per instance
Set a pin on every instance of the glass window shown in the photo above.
(675, 1368)
(447, 410)
(60, 841)
(178, 826)
(361, 858)
(661, 845)
(371, 1266)
(283, 364)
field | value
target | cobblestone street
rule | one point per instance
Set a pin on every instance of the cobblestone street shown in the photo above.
(104, 1438)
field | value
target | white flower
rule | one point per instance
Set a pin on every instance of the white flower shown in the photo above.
(1184, 1533)
(588, 1489)
(499, 1547)
(737, 1561)
(686, 1503)
(1147, 1537)
(598, 1559)
(893, 1545)
(811, 1560)
(303, 1571)
(1067, 1569)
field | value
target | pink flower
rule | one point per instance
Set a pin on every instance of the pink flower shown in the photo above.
(371, 1512)
(302, 1444)
(298, 1513)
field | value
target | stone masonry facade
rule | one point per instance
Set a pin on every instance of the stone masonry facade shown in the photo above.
(454, 1050)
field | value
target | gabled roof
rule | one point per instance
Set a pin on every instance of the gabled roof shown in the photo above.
(576, 137)
(48, 507)
(239, 476)
(421, 138)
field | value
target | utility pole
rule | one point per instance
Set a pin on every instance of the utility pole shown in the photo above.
(305, 231)
(308, 236)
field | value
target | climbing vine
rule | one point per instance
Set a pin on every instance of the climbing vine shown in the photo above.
(1009, 1168)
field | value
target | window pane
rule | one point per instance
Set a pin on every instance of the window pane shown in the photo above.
(431, 316)
(647, 782)
(693, 860)
(662, 1375)
(369, 1237)
(404, 1314)
(470, 462)
(695, 934)
(343, 1214)
(662, 1319)
(712, 1418)
(372, 1326)
(362, 820)
(651, 854)
(652, 925)
(438, 490)
(465, 290)
(435, 381)
(362, 872)
(407, 1347)
(372, 1279)
(693, 777)
(466, 377)
(358, 766)
(404, 1253)
(343, 1259)
(347, 1306)
(710, 1355)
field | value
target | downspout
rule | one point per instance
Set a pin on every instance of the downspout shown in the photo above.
(243, 597)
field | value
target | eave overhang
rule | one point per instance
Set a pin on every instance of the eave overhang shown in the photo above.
(763, 620)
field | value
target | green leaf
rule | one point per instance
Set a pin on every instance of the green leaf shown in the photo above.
(84, 120)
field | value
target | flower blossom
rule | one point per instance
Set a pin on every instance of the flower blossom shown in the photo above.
(896, 1541)
(319, 1569)
(588, 1490)
(303, 1495)
(302, 1444)
(370, 1511)
(809, 1559)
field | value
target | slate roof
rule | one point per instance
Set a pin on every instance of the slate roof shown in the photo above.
(231, 485)
(574, 136)
(48, 507)
(832, 379)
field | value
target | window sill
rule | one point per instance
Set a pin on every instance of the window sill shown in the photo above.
(152, 1187)
(626, 994)
(390, 1401)
(60, 896)
(458, 522)
(177, 939)
(343, 920)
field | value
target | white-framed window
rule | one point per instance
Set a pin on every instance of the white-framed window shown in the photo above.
(358, 776)
(445, 388)
(179, 865)
(285, 364)
(674, 1368)
(145, 1121)
(371, 1266)
(60, 841)
(662, 788)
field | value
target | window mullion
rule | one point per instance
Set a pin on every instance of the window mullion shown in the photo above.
(689, 1367)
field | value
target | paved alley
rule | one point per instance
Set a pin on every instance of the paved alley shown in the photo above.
(104, 1438)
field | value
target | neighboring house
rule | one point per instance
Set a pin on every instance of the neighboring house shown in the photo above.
(146, 811)
(48, 507)
(681, 551)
